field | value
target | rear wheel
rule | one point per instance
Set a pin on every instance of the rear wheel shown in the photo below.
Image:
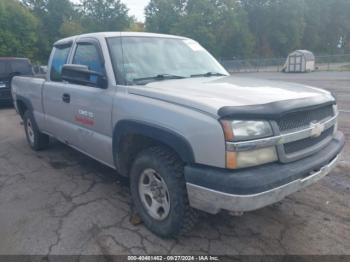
(159, 192)
(36, 140)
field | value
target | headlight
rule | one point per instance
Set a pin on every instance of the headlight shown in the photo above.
(235, 160)
(239, 131)
(246, 130)
(336, 112)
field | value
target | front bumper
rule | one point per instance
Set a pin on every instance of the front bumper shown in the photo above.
(213, 190)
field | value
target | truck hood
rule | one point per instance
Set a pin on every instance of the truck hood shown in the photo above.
(212, 95)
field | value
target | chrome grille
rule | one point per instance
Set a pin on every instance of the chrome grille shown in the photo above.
(310, 142)
(300, 120)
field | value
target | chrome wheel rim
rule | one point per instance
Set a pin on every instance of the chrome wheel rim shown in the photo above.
(30, 132)
(154, 194)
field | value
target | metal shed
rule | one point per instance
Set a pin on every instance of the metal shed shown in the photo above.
(300, 61)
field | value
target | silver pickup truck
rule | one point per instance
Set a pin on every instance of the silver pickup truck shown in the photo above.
(162, 111)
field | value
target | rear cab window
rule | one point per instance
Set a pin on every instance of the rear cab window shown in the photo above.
(60, 57)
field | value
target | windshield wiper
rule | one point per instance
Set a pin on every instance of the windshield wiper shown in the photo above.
(159, 77)
(209, 74)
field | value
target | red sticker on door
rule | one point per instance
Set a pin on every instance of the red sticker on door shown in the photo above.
(84, 121)
(85, 118)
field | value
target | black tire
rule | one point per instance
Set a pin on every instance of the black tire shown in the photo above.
(36, 140)
(169, 167)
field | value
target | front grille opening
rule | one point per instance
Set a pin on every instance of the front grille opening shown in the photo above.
(303, 144)
(299, 120)
(5, 93)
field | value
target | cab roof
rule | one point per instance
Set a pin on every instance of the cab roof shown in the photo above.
(114, 34)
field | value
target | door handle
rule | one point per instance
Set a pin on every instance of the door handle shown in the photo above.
(66, 98)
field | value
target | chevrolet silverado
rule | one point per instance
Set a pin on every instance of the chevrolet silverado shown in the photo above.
(160, 110)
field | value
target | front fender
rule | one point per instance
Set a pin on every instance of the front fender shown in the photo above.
(165, 136)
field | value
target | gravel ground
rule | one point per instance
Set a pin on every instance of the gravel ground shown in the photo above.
(61, 202)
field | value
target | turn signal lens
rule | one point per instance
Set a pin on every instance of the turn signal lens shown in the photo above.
(228, 131)
(231, 160)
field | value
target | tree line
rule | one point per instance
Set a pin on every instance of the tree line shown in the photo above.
(228, 28)
(256, 28)
(28, 28)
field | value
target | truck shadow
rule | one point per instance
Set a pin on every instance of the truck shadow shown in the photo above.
(73, 158)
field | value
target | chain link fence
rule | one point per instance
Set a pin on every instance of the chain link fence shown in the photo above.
(323, 63)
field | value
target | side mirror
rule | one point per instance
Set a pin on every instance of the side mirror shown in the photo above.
(82, 75)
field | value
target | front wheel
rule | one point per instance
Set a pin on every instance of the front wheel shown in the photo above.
(159, 192)
(36, 140)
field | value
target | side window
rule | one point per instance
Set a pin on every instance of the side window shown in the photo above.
(21, 66)
(87, 54)
(59, 59)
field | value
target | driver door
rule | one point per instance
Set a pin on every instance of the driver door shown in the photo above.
(91, 106)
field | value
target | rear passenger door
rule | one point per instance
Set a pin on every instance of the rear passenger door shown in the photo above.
(91, 107)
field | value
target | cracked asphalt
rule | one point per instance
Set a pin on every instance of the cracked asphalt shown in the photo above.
(61, 202)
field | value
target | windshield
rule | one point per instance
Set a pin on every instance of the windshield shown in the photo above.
(147, 59)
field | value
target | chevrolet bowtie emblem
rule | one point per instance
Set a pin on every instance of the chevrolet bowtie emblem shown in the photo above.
(316, 129)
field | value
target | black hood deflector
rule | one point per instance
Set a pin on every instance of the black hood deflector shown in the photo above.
(274, 110)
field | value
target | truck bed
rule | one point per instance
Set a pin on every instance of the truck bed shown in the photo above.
(29, 88)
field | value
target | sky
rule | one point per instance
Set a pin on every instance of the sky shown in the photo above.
(136, 8)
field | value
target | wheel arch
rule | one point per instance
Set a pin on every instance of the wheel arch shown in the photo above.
(128, 133)
(22, 105)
